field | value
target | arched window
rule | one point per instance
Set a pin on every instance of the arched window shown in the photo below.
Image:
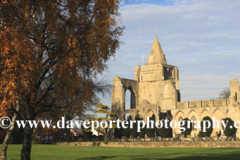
(138, 116)
(127, 100)
(193, 119)
(151, 115)
(180, 119)
(127, 116)
(130, 98)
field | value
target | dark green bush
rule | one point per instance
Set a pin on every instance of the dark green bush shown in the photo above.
(98, 143)
(106, 141)
(126, 133)
(94, 143)
(118, 132)
(229, 131)
(187, 130)
(165, 132)
(142, 132)
(150, 132)
(133, 131)
(208, 130)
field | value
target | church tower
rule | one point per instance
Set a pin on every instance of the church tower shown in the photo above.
(154, 89)
(158, 81)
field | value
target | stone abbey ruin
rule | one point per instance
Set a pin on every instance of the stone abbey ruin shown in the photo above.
(155, 93)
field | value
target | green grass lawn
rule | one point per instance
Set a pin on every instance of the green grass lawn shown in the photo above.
(54, 152)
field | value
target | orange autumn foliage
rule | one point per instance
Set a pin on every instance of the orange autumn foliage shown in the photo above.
(17, 59)
(30, 51)
(53, 49)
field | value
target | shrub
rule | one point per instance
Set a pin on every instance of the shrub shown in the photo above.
(229, 131)
(126, 133)
(118, 132)
(150, 132)
(94, 143)
(133, 131)
(142, 132)
(106, 141)
(165, 132)
(187, 130)
(98, 143)
(208, 130)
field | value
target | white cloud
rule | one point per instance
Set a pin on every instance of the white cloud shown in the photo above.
(200, 37)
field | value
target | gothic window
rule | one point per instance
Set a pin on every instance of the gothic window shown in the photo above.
(180, 119)
(193, 119)
(165, 73)
(168, 73)
(127, 116)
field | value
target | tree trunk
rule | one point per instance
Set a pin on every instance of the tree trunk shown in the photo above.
(105, 133)
(6, 139)
(27, 141)
(68, 117)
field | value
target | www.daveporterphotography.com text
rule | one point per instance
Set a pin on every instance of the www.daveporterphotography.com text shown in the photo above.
(182, 125)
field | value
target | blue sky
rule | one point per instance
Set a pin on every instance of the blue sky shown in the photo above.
(200, 37)
(158, 2)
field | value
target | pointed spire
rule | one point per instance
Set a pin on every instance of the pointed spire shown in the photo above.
(156, 54)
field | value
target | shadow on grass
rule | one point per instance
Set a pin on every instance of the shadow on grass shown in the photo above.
(231, 155)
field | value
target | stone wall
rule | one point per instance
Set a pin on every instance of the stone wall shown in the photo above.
(203, 103)
(210, 144)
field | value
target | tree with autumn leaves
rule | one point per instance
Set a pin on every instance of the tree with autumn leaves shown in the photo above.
(110, 116)
(74, 106)
(66, 41)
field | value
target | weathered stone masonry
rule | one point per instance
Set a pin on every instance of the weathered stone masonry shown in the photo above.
(155, 93)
